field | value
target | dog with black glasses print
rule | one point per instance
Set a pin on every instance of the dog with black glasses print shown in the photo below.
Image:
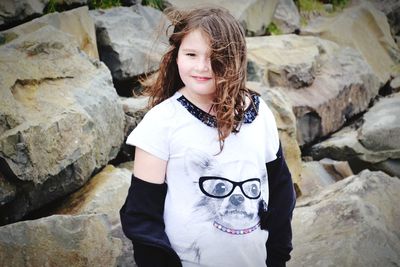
(228, 196)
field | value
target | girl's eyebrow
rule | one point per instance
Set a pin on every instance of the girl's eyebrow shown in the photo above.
(189, 50)
(192, 50)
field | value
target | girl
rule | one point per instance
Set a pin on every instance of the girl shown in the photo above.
(230, 196)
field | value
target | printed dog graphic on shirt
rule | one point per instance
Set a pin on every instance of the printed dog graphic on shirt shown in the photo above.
(228, 196)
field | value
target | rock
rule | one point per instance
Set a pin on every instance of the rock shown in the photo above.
(135, 108)
(373, 145)
(287, 17)
(381, 128)
(131, 40)
(13, 12)
(365, 28)
(61, 118)
(395, 84)
(76, 22)
(105, 193)
(391, 8)
(325, 84)
(317, 175)
(354, 222)
(254, 15)
(7, 191)
(286, 122)
(389, 166)
(59, 241)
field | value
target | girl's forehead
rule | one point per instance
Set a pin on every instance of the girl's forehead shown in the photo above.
(196, 40)
(196, 37)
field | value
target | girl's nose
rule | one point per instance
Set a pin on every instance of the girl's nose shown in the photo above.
(204, 64)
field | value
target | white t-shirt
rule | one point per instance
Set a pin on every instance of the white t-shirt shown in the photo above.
(211, 207)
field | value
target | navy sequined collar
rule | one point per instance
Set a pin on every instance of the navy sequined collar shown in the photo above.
(210, 120)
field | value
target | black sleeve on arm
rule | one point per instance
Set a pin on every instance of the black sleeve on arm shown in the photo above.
(277, 218)
(143, 222)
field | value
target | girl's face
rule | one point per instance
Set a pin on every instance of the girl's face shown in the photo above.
(194, 66)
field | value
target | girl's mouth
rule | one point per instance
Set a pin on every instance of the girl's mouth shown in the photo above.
(201, 78)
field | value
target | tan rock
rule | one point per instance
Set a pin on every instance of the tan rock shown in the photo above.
(354, 222)
(286, 16)
(395, 84)
(59, 241)
(105, 193)
(325, 84)
(76, 22)
(374, 141)
(365, 28)
(317, 175)
(255, 15)
(61, 117)
(286, 123)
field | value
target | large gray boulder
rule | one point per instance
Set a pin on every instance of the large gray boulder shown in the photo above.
(391, 8)
(75, 22)
(59, 240)
(105, 193)
(366, 29)
(373, 143)
(131, 40)
(326, 84)
(287, 16)
(254, 15)
(60, 118)
(13, 12)
(354, 222)
(317, 175)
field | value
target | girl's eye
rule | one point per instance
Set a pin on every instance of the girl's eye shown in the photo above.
(190, 54)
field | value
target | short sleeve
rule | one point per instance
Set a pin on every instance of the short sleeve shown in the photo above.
(273, 141)
(152, 133)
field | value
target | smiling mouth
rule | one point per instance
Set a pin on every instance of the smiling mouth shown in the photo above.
(199, 78)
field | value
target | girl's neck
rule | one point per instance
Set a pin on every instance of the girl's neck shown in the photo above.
(204, 102)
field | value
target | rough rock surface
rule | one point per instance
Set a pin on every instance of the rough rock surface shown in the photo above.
(365, 28)
(59, 240)
(317, 175)
(76, 22)
(14, 11)
(354, 222)
(287, 16)
(255, 15)
(105, 193)
(325, 84)
(61, 118)
(131, 40)
(374, 144)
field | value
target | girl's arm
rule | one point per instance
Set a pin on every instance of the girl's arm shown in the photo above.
(142, 213)
(281, 203)
(149, 168)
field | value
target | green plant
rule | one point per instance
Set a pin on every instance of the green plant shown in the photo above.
(310, 5)
(157, 4)
(273, 29)
(51, 7)
(103, 4)
(339, 4)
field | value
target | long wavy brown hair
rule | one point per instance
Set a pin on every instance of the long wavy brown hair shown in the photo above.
(228, 62)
